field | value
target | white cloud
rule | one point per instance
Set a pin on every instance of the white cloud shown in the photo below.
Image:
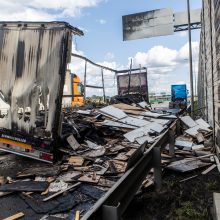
(183, 33)
(165, 67)
(162, 59)
(184, 51)
(102, 21)
(156, 56)
(46, 10)
(109, 56)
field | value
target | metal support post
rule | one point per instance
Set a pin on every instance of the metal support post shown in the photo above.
(190, 60)
(147, 87)
(85, 81)
(103, 84)
(129, 79)
(110, 212)
(157, 168)
(171, 142)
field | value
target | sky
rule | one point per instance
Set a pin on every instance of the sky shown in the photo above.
(101, 20)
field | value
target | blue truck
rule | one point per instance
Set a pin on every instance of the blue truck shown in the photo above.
(178, 97)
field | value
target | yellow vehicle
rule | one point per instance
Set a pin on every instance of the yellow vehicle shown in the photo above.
(78, 91)
(73, 91)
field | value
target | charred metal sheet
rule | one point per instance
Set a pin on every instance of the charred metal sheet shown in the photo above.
(117, 124)
(203, 123)
(148, 24)
(45, 25)
(186, 165)
(134, 121)
(187, 120)
(184, 144)
(25, 186)
(144, 139)
(113, 112)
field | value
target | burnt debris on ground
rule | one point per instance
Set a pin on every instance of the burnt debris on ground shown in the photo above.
(98, 146)
(190, 177)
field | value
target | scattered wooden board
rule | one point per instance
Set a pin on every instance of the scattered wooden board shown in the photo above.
(76, 160)
(116, 148)
(147, 183)
(77, 216)
(217, 162)
(89, 178)
(189, 178)
(209, 169)
(73, 142)
(14, 217)
(200, 138)
(105, 182)
(121, 156)
(130, 152)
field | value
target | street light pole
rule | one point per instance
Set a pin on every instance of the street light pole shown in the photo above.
(190, 60)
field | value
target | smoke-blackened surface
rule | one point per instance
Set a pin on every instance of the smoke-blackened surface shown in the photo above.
(32, 61)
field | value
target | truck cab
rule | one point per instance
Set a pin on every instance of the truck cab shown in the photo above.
(178, 97)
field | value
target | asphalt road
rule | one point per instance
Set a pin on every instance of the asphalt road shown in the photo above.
(11, 204)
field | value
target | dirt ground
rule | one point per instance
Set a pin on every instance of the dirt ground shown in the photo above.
(192, 199)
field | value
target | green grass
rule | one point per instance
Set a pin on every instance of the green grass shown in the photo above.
(188, 211)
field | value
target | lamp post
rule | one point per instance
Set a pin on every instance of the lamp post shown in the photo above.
(190, 61)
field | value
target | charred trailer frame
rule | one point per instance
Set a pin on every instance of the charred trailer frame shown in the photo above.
(133, 84)
(33, 61)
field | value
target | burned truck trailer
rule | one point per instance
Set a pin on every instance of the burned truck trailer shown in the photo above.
(33, 60)
(132, 85)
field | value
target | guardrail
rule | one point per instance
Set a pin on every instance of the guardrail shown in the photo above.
(113, 204)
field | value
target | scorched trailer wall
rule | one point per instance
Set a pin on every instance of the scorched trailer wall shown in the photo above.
(33, 60)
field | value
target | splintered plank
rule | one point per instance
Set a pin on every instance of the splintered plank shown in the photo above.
(73, 142)
(105, 182)
(76, 160)
(217, 163)
(200, 138)
(130, 152)
(189, 178)
(209, 169)
(14, 217)
(77, 216)
(93, 178)
(121, 156)
(47, 171)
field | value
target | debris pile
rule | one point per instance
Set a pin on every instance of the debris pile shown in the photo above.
(98, 146)
(193, 148)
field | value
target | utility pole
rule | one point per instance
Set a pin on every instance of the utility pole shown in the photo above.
(190, 60)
